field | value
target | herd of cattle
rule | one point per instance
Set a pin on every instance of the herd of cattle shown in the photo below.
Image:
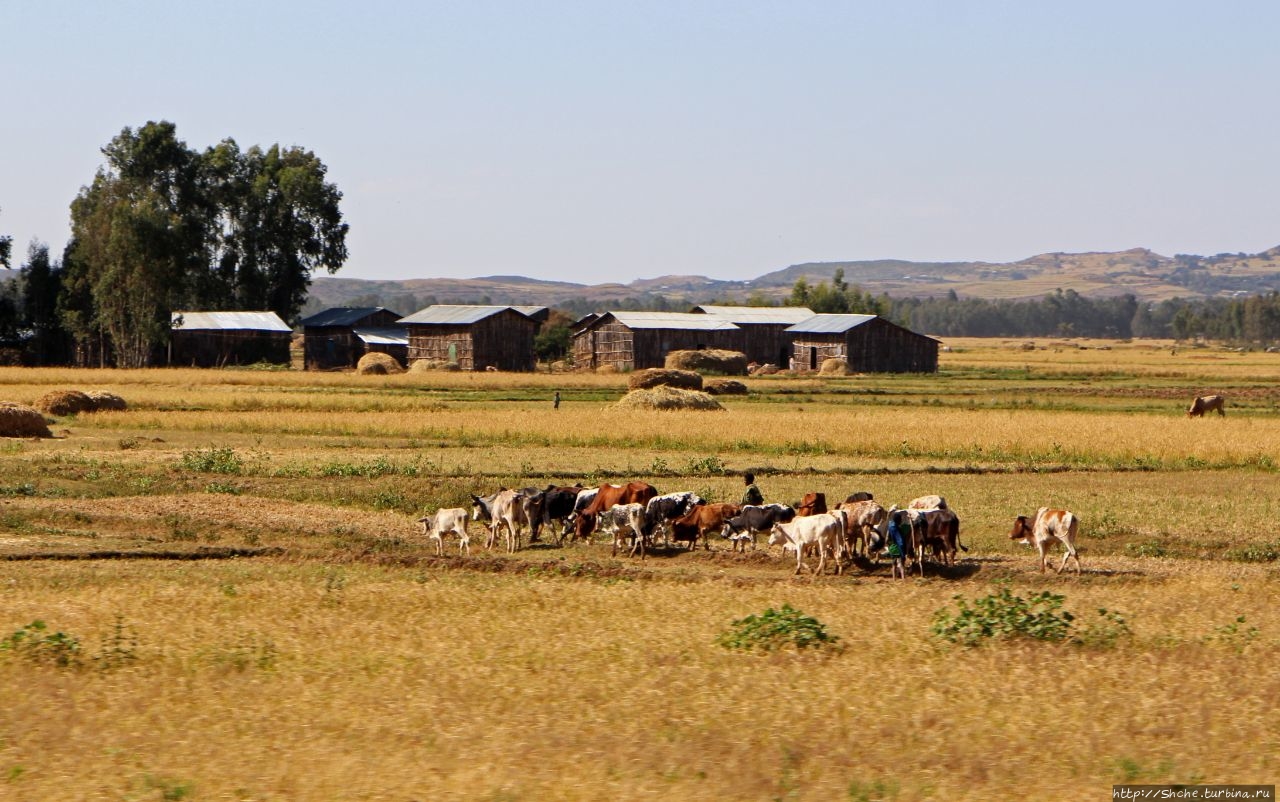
(634, 516)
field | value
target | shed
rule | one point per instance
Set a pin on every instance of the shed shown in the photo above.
(331, 338)
(636, 340)
(215, 339)
(870, 343)
(474, 337)
(765, 328)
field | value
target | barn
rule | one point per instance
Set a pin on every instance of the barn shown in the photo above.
(215, 339)
(871, 344)
(474, 337)
(636, 340)
(336, 338)
(765, 328)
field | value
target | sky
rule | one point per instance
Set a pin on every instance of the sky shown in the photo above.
(609, 141)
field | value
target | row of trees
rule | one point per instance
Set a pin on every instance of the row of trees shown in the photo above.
(163, 227)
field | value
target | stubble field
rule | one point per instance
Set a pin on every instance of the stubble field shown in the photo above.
(238, 605)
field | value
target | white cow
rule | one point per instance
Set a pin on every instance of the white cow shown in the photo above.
(1047, 526)
(824, 531)
(625, 524)
(444, 521)
(502, 509)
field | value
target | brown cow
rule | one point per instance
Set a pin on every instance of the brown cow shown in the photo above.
(812, 504)
(606, 497)
(700, 520)
(863, 522)
(1207, 403)
(1042, 530)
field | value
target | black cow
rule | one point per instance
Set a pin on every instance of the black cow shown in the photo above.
(662, 510)
(861, 495)
(558, 504)
(757, 520)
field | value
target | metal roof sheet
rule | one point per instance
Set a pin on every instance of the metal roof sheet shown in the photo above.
(758, 314)
(672, 320)
(830, 324)
(538, 313)
(452, 314)
(382, 335)
(343, 315)
(229, 321)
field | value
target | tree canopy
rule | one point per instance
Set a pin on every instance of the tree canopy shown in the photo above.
(164, 227)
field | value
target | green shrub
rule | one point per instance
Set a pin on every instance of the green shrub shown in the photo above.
(777, 629)
(212, 460)
(36, 644)
(1003, 615)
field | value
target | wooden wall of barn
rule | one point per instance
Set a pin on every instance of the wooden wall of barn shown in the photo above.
(503, 340)
(876, 346)
(337, 348)
(217, 348)
(612, 343)
(767, 343)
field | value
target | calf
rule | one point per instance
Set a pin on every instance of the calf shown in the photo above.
(824, 531)
(624, 522)
(756, 520)
(1207, 403)
(660, 511)
(700, 520)
(436, 526)
(1049, 525)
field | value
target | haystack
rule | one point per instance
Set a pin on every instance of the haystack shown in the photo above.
(767, 369)
(725, 387)
(835, 366)
(107, 401)
(668, 398)
(17, 420)
(659, 377)
(726, 363)
(64, 402)
(376, 363)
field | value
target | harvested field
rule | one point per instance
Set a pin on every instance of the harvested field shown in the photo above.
(235, 555)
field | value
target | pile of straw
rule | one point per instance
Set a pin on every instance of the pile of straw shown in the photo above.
(17, 420)
(668, 398)
(726, 363)
(835, 366)
(725, 387)
(107, 401)
(64, 402)
(376, 363)
(660, 377)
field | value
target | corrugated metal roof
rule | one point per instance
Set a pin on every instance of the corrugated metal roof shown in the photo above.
(758, 314)
(830, 324)
(672, 320)
(452, 314)
(343, 315)
(538, 313)
(229, 321)
(381, 335)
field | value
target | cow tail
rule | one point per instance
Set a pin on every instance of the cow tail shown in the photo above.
(955, 531)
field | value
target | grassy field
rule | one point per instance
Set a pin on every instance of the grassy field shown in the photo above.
(236, 603)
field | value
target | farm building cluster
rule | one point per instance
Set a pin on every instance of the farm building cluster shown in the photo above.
(483, 337)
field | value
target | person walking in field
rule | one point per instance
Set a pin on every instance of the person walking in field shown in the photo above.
(556, 403)
(753, 494)
(897, 544)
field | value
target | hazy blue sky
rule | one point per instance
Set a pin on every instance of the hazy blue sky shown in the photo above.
(592, 141)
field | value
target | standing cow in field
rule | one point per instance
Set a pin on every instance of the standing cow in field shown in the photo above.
(502, 509)
(811, 504)
(558, 504)
(624, 524)
(1207, 403)
(755, 520)
(824, 531)
(436, 526)
(606, 497)
(700, 521)
(1049, 525)
(866, 524)
(660, 511)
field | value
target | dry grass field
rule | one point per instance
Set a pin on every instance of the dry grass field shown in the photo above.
(237, 604)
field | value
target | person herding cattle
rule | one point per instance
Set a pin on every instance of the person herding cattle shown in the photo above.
(897, 543)
(753, 496)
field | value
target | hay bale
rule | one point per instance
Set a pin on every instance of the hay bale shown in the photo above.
(668, 398)
(767, 369)
(835, 366)
(376, 363)
(64, 402)
(661, 377)
(107, 401)
(725, 387)
(17, 420)
(712, 360)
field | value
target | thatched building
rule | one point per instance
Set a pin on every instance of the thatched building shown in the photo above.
(474, 337)
(869, 343)
(336, 338)
(636, 340)
(764, 327)
(215, 339)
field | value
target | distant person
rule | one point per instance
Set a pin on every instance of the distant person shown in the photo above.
(753, 494)
(556, 403)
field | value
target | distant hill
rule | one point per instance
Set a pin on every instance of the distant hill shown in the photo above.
(1144, 273)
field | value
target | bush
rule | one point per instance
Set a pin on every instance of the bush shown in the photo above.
(36, 644)
(1004, 616)
(778, 629)
(212, 460)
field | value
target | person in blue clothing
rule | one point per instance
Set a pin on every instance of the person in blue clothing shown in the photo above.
(897, 544)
